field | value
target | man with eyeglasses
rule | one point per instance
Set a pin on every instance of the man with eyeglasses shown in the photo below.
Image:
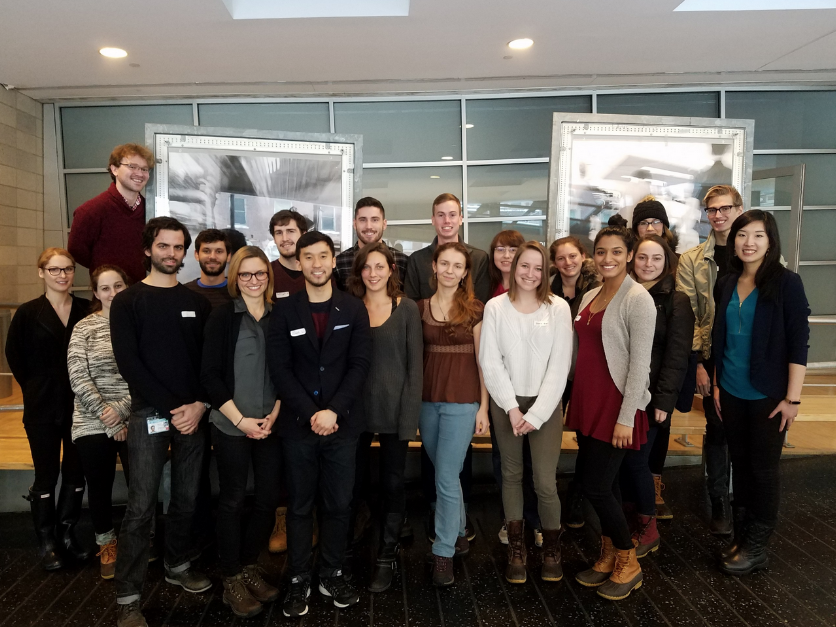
(107, 229)
(699, 270)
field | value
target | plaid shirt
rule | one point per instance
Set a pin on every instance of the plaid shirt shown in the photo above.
(345, 260)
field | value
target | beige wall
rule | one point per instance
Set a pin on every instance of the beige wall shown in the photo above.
(21, 196)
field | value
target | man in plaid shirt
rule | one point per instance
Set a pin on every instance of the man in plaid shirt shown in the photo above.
(369, 223)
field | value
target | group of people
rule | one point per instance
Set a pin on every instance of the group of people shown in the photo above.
(292, 368)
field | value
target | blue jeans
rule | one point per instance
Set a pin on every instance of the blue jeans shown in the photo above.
(446, 432)
(147, 454)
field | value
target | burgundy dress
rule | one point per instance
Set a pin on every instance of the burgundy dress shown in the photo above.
(596, 401)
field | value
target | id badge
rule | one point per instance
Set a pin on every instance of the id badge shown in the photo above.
(157, 424)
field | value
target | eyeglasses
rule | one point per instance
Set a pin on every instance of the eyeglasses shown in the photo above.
(647, 223)
(136, 168)
(725, 210)
(53, 271)
(246, 276)
(503, 249)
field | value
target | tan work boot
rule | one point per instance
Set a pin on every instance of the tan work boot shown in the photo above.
(552, 563)
(626, 577)
(278, 539)
(663, 512)
(515, 571)
(602, 569)
(238, 597)
(107, 554)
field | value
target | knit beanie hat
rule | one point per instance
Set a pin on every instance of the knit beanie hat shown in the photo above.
(649, 210)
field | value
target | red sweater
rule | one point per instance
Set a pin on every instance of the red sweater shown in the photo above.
(105, 230)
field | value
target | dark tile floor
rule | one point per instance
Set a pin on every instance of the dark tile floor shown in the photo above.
(681, 585)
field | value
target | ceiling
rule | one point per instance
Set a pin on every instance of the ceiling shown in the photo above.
(49, 48)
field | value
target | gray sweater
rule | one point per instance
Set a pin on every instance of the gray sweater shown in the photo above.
(393, 387)
(627, 327)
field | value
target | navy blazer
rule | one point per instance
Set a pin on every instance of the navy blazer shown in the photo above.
(309, 378)
(780, 333)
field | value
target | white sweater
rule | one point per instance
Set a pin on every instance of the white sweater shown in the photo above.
(526, 355)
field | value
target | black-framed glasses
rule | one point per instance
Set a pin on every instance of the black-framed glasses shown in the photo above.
(246, 276)
(53, 271)
(506, 249)
(725, 210)
(647, 223)
(136, 168)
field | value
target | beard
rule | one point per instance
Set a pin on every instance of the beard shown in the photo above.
(161, 267)
(375, 238)
(209, 272)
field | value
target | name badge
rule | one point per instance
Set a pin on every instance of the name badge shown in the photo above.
(188, 314)
(578, 318)
(157, 424)
(297, 332)
(282, 294)
(541, 323)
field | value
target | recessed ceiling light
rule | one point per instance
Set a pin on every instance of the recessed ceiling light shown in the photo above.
(468, 126)
(521, 44)
(435, 177)
(754, 5)
(446, 158)
(113, 53)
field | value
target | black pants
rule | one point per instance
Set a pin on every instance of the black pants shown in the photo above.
(323, 467)
(45, 442)
(715, 448)
(428, 476)
(202, 522)
(755, 445)
(392, 456)
(601, 464)
(235, 455)
(659, 451)
(98, 459)
(636, 479)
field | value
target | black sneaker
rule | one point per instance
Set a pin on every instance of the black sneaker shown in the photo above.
(336, 587)
(296, 599)
(469, 529)
(128, 615)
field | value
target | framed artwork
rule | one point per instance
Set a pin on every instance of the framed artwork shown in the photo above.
(231, 178)
(606, 164)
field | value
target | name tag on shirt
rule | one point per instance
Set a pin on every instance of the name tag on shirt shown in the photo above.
(188, 314)
(157, 424)
(578, 318)
(297, 332)
(282, 294)
(340, 326)
(541, 323)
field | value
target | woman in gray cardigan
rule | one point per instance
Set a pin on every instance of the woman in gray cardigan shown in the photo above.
(614, 336)
(392, 392)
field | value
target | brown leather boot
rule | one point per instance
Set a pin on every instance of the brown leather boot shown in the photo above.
(260, 589)
(602, 569)
(663, 512)
(443, 571)
(626, 577)
(107, 555)
(552, 564)
(238, 597)
(515, 572)
(278, 539)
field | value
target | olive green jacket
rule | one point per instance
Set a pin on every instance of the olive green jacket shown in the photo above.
(695, 277)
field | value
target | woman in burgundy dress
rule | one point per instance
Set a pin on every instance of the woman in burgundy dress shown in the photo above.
(614, 333)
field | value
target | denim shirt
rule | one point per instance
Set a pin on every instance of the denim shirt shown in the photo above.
(735, 377)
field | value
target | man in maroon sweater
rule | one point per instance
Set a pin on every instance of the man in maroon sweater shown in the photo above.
(108, 228)
(286, 227)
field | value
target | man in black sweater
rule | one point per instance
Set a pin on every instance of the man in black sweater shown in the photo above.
(319, 352)
(157, 335)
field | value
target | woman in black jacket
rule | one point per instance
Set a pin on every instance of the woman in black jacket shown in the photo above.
(654, 266)
(760, 342)
(244, 408)
(36, 350)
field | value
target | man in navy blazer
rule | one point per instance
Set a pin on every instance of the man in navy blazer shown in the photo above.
(319, 351)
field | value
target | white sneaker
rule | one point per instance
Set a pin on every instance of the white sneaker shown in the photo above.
(538, 538)
(503, 535)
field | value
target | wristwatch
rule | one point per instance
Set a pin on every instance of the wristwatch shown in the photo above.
(789, 402)
(208, 406)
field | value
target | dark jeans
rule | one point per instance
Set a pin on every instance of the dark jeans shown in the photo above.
(147, 454)
(428, 476)
(715, 450)
(235, 455)
(202, 521)
(98, 458)
(755, 444)
(323, 467)
(530, 512)
(45, 444)
(636, 479)
(601, 464)
(661, 440)
(392, 465)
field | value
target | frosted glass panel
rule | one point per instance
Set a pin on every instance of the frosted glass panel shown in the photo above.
(481, 233)
(409, 237)
(690, 104)
(822, 345)
(516, 128)
(396, 132)
(818, 229)
(507, 190)
(408, 193)
(83, 187)
(818, 285)
(295, 117)
(91, 133)
(819, 181)
(787, 119)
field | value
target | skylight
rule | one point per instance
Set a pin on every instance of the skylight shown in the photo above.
(754, 5)
(271, 9)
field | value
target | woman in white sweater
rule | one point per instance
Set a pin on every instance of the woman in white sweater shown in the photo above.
(525, 355)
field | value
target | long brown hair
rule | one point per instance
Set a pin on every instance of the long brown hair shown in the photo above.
(670, 256)
(544, 291)
(464, 311)
(95, 303)
(511, 238)
(355, 284)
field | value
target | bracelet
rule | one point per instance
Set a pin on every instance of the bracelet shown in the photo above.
(239, 422)
(792, 402)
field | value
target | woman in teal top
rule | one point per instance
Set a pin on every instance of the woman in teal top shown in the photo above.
(760, 347)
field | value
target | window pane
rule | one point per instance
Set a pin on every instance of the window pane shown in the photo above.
(822, 345)
(409, 237)
(818, 285)
(408, 193)
(787, 119)
(91, 133)
(782, 219)
(817, 231)
(507, 190)
(480, 234)
(516, 128)
(396, 132)
(689, 104)
(819, 182)
(296, 117)
(83, 187)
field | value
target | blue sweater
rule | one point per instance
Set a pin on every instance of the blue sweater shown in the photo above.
(780, 333)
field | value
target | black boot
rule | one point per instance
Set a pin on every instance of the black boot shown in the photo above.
(720, 517)
(42, 505)
(384, 569)
(751, 556)
(69, 511)
(738, 521)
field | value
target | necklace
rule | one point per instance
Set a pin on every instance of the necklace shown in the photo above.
(438, 304)
(591, 313)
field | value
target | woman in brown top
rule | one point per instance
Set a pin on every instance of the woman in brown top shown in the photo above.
(455, 400)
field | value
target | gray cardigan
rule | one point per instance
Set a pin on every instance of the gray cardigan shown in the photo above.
(396, 377)
(627, 327)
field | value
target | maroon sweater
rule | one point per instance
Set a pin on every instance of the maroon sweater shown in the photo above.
(105, 230)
